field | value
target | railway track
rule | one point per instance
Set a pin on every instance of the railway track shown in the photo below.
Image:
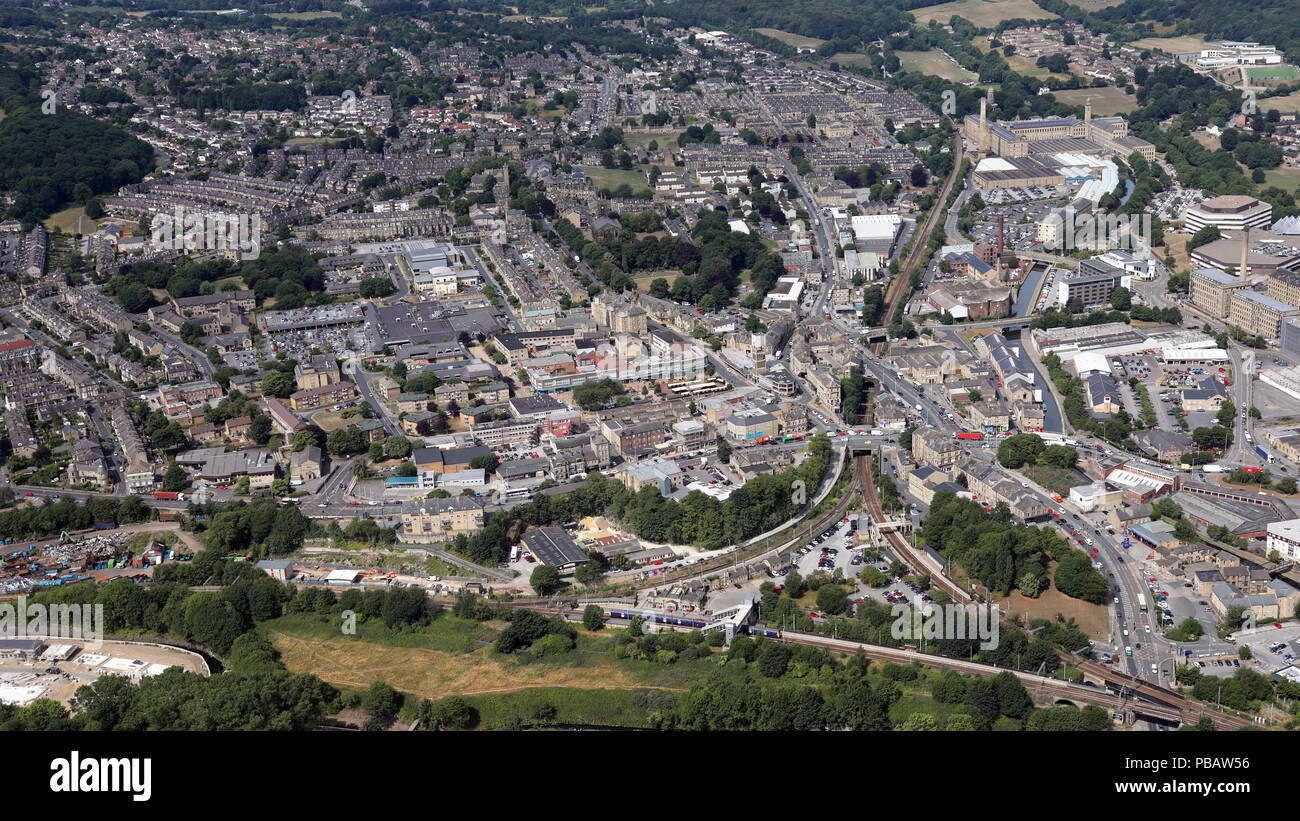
(921, 238)
(918, 559)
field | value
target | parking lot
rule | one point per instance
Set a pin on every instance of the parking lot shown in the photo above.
(1271, 648)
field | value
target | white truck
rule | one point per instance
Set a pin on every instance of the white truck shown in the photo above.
(1212, 468)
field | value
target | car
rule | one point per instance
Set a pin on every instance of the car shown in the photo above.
(322, 504)
(353, 502)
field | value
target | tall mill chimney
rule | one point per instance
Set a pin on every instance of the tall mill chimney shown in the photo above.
(1245, 246)
(984, 127)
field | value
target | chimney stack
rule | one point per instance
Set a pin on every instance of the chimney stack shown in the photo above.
(984, 127)
(1245, 246)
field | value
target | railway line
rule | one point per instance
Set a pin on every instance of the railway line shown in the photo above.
(920, 238)
(918, 559)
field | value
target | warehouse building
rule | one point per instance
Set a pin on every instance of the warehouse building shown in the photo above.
(552, 546)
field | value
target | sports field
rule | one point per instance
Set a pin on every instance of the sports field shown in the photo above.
(1267, 73)
(935, 64)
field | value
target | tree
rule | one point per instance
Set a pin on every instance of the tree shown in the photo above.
(1190, 629)
(345, 441)
(451, 713)
(724, 451)
(920, 722)
(259, 430)
(176, 478)
(545, 580)
(377, 288)
(278, 384)
(1121, 299)
(304, 439)
(832, 599)
(593, 618)
(380, 703)
(774, 660)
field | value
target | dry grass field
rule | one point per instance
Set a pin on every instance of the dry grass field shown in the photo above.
(1172, 45)
(796, 40)
(1106, 102)
(983, 13)
(1091, 618)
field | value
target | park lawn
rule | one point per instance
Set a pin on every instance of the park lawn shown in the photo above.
(1052, 477)
(612, 178)
(983, 13)
(1106, 102)
(933, 63)
(795, 40)
(643, 281)
(1091, 618)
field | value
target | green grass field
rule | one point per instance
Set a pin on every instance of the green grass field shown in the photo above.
(934, 64)
(612, 178)
(1288, 179)
(983, 13)
(1264, 73)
